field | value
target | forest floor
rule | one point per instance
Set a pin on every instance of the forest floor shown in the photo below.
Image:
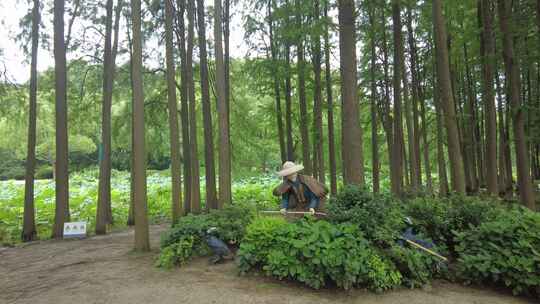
(104, 269)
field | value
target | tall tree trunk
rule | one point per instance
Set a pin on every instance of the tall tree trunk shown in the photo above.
(397, 145)
(505, 164)
(29, 227)
(386, 117)
(470, 127)
(512, 70)
(226, 57)
(288, 103)
(447, 99)
(275, 71)
(60, 81)
(411, 164)
(375, 171)
(104, 195)
(142, 241)
(317, 109)
(184, 107)
(194, 154)
(211, 193)
(489, 96)
(304, 135)
(425, 145)
(131, 210)
(330, 105)
(443, 179)
(174, 133)
(223, 117)
(415, 98)
(352, 156)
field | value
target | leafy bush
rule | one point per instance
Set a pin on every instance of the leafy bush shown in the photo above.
(417, 268)
(187, 237)
(440, 218)
(505, 251)
(314, 252)
(378, 216)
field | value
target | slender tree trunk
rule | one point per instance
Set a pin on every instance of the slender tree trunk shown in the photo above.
(304, 135)
(470, 127)
(184, 107)
(288, 104)
(275, 71)
(447, 99)
(415, 98)
(489, 96)
(443, 179)
(104, 195)
(317, 109)
(62, 175)
(411, 164)
(386, 117)
(427, 164)
(330, 104)
(131, 211)
(223, 117)
(397, 145)
(195, 182)
(142, 241)
(374, 140)
(352, 156)
(512, 70)
(29, 227)
(211, 193)
(226, 57)
(174, 133)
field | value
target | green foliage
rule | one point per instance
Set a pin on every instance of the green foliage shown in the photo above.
(439, 218)
(187, 237)
(378, 216)
(417, 268)
(505, 250)
(314, 252)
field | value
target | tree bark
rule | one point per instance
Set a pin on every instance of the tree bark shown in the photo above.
(288, 103)
(352, 156)
(415, 99)
(131, 210)
(489, 96)
(195, 182)
(397, 145)
(304, 135)
(174, 133)
(470, 128)
(142, 241)
(512, 70)
(211, 192)
(29, 227)
(443, 179)
(62, 175)
(447, 99)
(184, 107)
(317, 108)
(104, 195)
(275, 72)
(330, 104)
(375, 171)
(223, 117)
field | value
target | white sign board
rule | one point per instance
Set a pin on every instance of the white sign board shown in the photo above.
(74, 229)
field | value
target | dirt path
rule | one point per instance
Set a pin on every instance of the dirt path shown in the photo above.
(104, 270)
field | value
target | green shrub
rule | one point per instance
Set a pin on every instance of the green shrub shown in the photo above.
(313, 252)
(378, 216)
(190, 230)
(505, 250)
(416, 267)
(44, 172)
(440, 218)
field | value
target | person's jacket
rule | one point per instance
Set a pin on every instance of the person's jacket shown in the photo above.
(316, 187)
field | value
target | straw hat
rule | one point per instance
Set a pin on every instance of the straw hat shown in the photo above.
(290, 168)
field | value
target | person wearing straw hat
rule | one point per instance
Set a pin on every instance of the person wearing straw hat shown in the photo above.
(299, 192)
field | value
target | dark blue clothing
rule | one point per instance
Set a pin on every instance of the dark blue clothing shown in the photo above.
(411, 236)
(217, 246)
(310, 196)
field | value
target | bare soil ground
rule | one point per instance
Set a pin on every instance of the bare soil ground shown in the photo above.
(105, 270)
